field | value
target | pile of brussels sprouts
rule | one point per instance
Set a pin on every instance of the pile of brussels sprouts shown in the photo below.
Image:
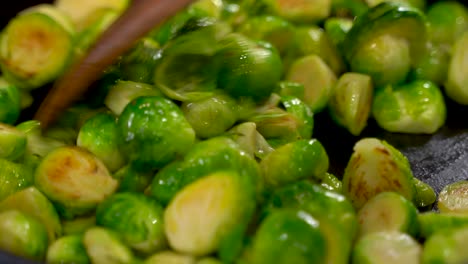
(197, 145)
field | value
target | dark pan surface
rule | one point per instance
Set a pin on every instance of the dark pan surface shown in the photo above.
(437, 159)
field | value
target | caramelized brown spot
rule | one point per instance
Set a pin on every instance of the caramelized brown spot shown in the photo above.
(383, 151)
(396, 183)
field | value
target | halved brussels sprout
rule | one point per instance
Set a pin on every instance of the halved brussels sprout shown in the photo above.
(446, 246)
(104, 246)
(23, 235)
(75, 180)
(136, 218)
(211, 215)
(301, 11)
(447, 21)
(294, 161)
(351, 101)
(170, 257)
(14, 177)
(374, 167)
(12, 142)
(67, 249)
(153, 132)
(456, 86)
(453, 198)
(250, 140)
(32, 202)
(99, 135)
(431, 223)
(10, 102)
(417, 107)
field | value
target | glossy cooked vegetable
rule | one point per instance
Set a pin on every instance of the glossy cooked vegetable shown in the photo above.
(205, 144)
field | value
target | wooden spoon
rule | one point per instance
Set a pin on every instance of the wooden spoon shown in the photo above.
(140, 18)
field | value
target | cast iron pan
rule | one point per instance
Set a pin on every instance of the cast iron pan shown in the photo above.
(437, 159)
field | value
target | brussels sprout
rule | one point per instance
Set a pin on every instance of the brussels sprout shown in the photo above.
(425, 194)
(325, 205)
(29, 61)
(453, 198)
(132, 180)
(302, 112)
(67, 250)
(153, 132)
(332, 183)
(211, 116)
(374, 167)
(288, 236)
(433, 66)
(33, 203)
(272, 29)
(123, 92)
(12, 142)
(205, 157)
(74, 180)
(447, 21)
(210, 8)
(310, 40)
(78, 225)
(14, 177)
(99, 135)
(351, 101)
(416, 107)
(248, 68)
(250, 140)
(337, 28)
(211, 215)
(137, 218)
(303, 11)
(22, 235)
(456, 86)
(318, 80)
(295, 161)
(104, 246)
(448, 246)
(170, 257)
(139, 63)
(431, 223)
(188, 68)
(387, 248)
(420, 4)
(10, 102)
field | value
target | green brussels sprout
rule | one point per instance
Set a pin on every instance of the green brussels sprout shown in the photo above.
(78, 225)
(433, 66)
(301, 159)
(288, 236)
(387, 248)
(99, 135)
(425, 194)
(303, 11)
(211, 215)
(10, 102)
(331, 183)
(447, 246)
(14, 177)
(132, 180)
(453, 198)
(74, 180)
(139, 63)
(374, 167)
(153, 132)
(337, 28)
(104, 246)
(67, 250)
(22, 235)
(170, 257)
(33, 203)
(456, 86)
(248, 68)
(211, 116)
(137, 219)
(123, 92)
(275, 30)
(416, 107)
(351, 101)
(302, 112)
(318, 80)
(209, 8)
(420, 4)
(325, 205)
(432, 222)
(310, 40)
(447, 21)
(12, 142)
(188, 67)
(205, 157)
(250, 140)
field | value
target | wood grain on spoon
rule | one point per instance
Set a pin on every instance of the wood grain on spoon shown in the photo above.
(140, 18)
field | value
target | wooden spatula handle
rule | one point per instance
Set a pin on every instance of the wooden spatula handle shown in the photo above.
(140, 18)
